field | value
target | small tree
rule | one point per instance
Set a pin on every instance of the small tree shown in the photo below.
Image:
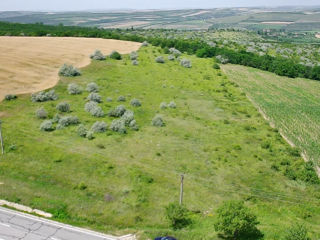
(297, 232)
(177, 215)
(235, 220)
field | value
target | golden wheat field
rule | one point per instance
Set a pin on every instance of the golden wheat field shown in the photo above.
(31, 64)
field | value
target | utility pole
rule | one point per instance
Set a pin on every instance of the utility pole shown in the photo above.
(181, 189)
(1, 139)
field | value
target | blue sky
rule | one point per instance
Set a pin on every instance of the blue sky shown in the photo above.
(61, 5)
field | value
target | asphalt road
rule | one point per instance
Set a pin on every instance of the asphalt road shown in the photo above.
(15, 225)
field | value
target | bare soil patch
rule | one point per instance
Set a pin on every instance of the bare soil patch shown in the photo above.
(31, 64)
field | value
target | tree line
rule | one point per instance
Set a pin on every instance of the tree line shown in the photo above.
(278, 65)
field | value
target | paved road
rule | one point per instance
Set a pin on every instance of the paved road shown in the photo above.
(15, 225)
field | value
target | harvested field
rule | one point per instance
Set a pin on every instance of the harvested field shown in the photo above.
(31, 64)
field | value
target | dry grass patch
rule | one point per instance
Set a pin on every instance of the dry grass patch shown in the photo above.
(31, 64)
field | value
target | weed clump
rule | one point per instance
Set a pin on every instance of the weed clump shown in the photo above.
(41, 113)
(94, 97)
(99, 127)
(97, 55)
(186, 63)
(160, 59)
(118, 125)
(82, 131)
(10, 97)
(46, 126)
(157, 121)
(74, 89)
(115, 55)
(44, 96)
(118, 111)
(66, 121)
(92, 87)
(63, 107)
(172, 104)
(135, 103)
(69, 71)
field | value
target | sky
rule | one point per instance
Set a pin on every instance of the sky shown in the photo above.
(76, 5)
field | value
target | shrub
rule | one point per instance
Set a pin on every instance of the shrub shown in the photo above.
(56, 118)
(94, 97)
(115, 55)
(10, 97)
(97, 55)
(297, 232)
(94, 109)
(135, 63)
(118, 111)
(66, 121)
(63, 107)
(118, 125)
(171, 58)
(89, 106)
(41, 113)
(216, 66)
(109, 99)
(134, 55)
(82, 131)
(177, 215)
(74, 89)
(46, 126)
(175, 52)
(99, 127)
(44, 96)
(90, 135)
(163, 105)
(172, 104)
(145, 44)
(222, 60)
(160, 59)
(121, 99)
(127, 117)
(69, 71)
(133, 125)
(186, 63)
(157, 121)
(235, 220)
(92, 87)
(135, 102)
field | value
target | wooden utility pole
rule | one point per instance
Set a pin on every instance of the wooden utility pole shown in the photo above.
(181, 189)
(1, 139)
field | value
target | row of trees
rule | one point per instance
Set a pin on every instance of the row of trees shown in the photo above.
(281, 66)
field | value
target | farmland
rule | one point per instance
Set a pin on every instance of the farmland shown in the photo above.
(292, 105)
(121, 183)
(32, 64)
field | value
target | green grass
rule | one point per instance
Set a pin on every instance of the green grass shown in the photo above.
(215, 136)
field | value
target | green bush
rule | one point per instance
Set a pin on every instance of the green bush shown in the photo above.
(118, 125)
(97, 55)
(10, 97)
(177, 215)
(135, 102)
(46, 126)
(235, 221)
(115, 55)
(216, 66)
(44, 96)
(92, 87)
(94, 97)
(157, 121)
(99, 127)
(63, 107)
(297, 232)
(82, 131)
(41, 113)
(69, 71)
(74, 89)
(117, 112)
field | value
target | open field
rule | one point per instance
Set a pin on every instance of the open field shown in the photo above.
(121, 183)
(31, 64)
(291, 104)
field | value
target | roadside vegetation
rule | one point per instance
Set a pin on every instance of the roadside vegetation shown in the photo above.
(112, 161)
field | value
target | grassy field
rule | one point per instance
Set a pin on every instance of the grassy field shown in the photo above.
(121, 183)
(291, 104)
(43, 56)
